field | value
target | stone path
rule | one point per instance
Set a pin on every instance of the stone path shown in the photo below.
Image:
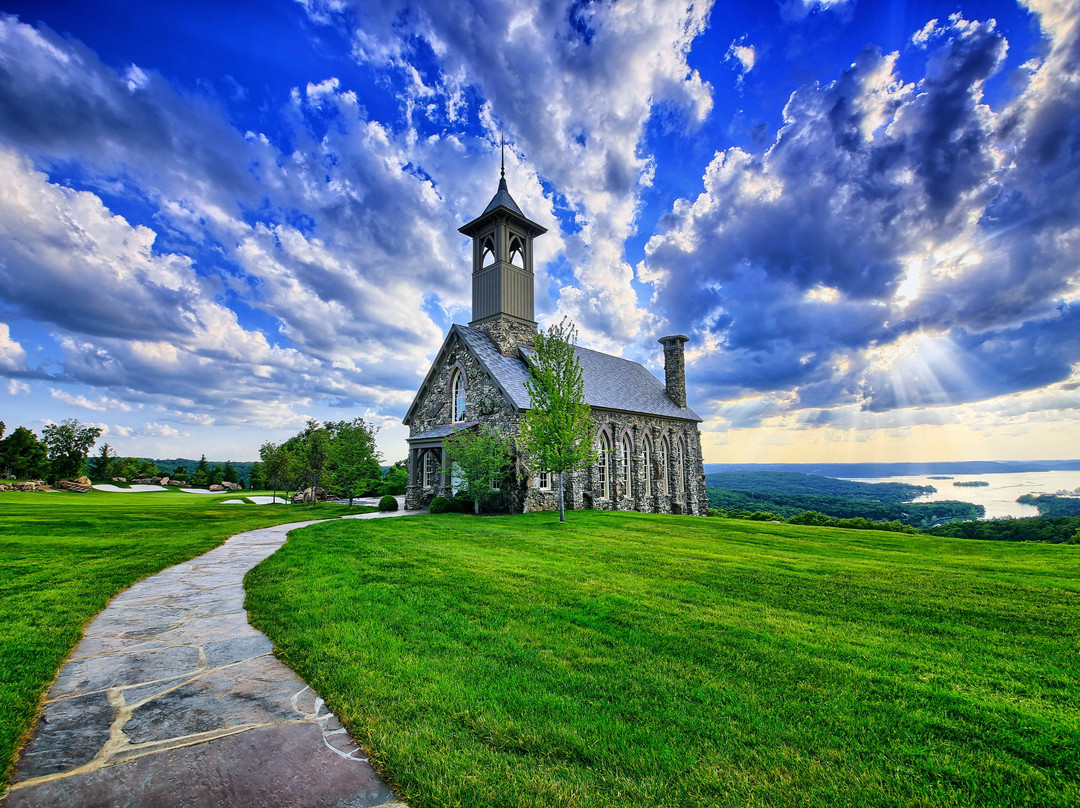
(173, 699)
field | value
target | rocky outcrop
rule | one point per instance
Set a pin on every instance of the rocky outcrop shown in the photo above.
(306, 495)
(28, 485)
(77, 486)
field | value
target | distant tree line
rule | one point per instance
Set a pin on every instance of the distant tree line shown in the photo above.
(920, 514)
(1055, 530)
(1052, 504)
(339, 456)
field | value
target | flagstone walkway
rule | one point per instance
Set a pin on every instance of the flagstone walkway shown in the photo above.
(173, 699)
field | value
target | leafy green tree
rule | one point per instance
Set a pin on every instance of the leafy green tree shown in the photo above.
(256, 478)
(179, 473)
(276, 462)
(395, 479)
(68, 444)
(148, 468)
(201, 476)
(557, 431)
(354, 458)
(312, 457)
(228, 473)
(480, 459)
(23, 456)
(217, 474)
(102, 465)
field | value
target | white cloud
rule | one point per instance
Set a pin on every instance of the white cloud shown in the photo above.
(16, 388)
(100, 404)
(575, 84)
(743, 55)
(899, 245)
(12, 355)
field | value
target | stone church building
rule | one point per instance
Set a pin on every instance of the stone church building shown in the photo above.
(646, 437)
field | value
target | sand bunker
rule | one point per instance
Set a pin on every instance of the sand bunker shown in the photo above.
(135, 489)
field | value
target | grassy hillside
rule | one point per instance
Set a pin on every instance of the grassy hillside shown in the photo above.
(64, 555)
(629, 659)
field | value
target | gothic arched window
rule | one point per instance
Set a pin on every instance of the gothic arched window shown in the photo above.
(457, 396)
(680, 448)
(646, 451)
(627, 455)
(487, 252)
(603, 467)
(517, 252)
(663, 464)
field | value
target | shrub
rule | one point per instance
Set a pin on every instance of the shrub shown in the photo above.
(461, 503)
(439, 505)
(388, 503)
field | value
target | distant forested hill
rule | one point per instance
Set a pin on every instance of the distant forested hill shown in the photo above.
(789, 483)
(243, 467)
(902, 469)
(789, 494)
(1052, 505)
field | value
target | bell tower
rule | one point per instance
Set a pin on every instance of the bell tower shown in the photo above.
(502, 270)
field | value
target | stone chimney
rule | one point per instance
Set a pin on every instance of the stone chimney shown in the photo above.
(675, 367)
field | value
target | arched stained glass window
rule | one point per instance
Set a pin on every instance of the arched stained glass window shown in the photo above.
(627, 460)
(646, 451)
(663, 470)
(457, 395)
(603, 466)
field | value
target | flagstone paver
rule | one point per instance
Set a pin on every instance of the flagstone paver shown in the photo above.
(173, 699)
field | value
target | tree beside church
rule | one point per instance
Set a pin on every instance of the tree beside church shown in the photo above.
(646, 438)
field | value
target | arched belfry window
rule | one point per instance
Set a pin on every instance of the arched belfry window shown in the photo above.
(487, 252)
(517, 252)
(457, 395)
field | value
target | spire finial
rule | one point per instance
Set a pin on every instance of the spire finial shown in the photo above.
(502, 146)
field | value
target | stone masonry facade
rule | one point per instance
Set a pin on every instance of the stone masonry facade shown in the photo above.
(665, 485)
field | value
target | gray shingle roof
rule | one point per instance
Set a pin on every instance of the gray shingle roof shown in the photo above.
(502, 197)
(443, 431)
(611, 383)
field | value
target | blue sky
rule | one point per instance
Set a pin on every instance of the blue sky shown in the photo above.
(219, 220)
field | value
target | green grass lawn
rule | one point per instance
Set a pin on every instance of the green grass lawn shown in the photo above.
(63, 555)
(636, 660)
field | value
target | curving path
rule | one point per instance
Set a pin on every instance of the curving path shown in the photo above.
(173, 699)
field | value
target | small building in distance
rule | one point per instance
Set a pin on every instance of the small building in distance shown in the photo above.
(646, 436)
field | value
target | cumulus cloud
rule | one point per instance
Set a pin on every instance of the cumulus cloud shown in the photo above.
(12, 355)
(899, 244)
(575, 84)
(743, 56)
(99, 404)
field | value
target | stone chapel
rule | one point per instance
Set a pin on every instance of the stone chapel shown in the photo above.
(647, 438)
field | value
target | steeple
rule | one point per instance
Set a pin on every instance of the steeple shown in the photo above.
(502, 269)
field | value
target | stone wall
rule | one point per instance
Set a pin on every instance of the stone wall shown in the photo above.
(484, 402)
(629, 492)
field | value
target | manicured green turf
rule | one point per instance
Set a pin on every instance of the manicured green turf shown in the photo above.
(63, 555)
(634, 660)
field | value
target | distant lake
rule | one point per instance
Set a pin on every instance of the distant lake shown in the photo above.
(999, 498)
